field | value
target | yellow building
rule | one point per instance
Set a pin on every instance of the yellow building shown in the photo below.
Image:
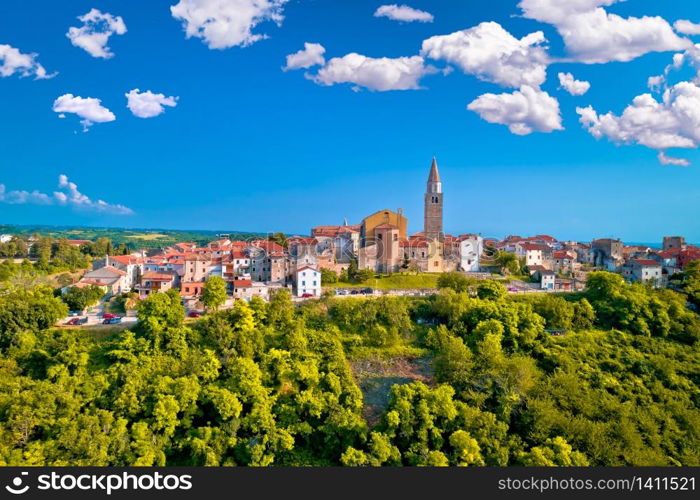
(386, 216)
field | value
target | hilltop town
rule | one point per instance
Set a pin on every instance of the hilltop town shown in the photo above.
(378, 245)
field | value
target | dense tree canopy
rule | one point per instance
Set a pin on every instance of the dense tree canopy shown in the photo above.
(277, 384)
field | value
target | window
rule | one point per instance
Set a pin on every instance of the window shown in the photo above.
(314, 282)
(303, 283)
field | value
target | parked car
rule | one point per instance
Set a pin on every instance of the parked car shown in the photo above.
(82, 321)
(513, 289)
(194, 314)
(109, 316)
(341, 292)
(72, 321)
(111, 321)
(307, 295)
(368, 291)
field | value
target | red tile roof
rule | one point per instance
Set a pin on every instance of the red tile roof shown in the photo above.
(157, 276)
(306, 267)
(646, 263)
(267, 245)
(562, 255)
(533, 246)
(242, 284)
(125, 259)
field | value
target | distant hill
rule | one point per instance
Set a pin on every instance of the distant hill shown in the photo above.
(137, 238)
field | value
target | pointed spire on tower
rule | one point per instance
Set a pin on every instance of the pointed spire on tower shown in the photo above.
(345, 221)
(434, 174)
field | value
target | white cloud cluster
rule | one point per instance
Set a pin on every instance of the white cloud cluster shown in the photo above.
(690, 57)
(13, 61)
(227, 23)
(673, 122)
(147, 104)
(572, 85)
(592, 35)
(383, 73)
(492, 54)
(95, 32)
(68, 195)
(669, 160)
(89, 109)
(403, 13)
(686, 27)
(310, 55)
(524, 111)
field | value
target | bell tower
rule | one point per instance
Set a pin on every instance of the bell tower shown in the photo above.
(432, 222)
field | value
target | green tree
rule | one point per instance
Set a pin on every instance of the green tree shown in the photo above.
(328, 276)
(490, 290)
(456, 281)
(214, 293)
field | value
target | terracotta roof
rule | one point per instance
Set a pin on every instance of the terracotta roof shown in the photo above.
(544, 237)
(533, 246)
(267, 245)
(414, 243)
(125, 259)
(646, 263)
(668, 254)
(305, 268)
(157, 276)
(78, 242)
(562, 255)
(242, 283)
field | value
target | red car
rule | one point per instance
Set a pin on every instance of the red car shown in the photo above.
(194, 314)
(307, 296)
(108, 316)
(72, 321)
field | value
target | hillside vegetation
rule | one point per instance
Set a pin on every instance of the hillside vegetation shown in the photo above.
(273, 384)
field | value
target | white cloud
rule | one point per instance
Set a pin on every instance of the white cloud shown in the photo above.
(669, 160)
(401, 73)
(573, 86)
(592, 35)
(403, 13)
(89, 109)
(94, 34)
(686, 27)
(13, 61)
(68, 195)
(673, 122)
(310, 55)
(147, 104)
(227, 23)
(524, 111)
(493, 54)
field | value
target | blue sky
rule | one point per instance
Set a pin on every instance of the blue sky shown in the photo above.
(249, 146)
